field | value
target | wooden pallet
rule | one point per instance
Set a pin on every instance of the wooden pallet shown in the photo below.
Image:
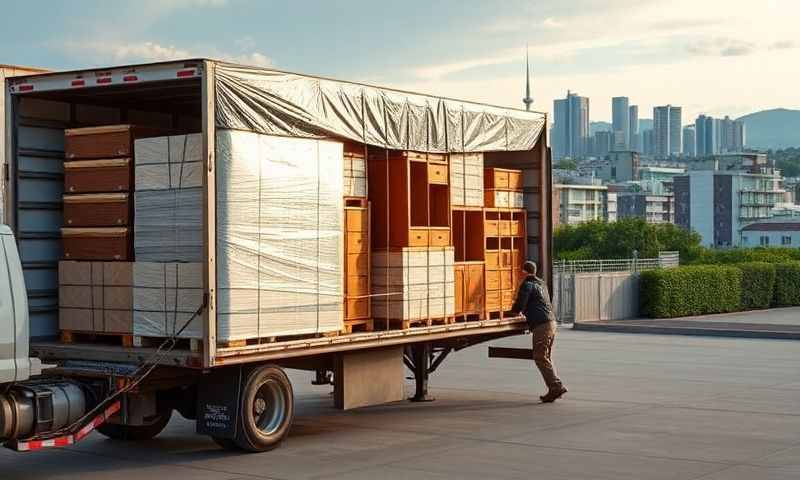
(501, 314)
(405, 324)
(127, 340)
(361, 325)
(191, 344)
(468, 317)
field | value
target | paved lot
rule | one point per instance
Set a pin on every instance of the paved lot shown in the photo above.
(778, 323)
(639, 407)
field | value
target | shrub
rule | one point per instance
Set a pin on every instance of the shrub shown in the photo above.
(787, 284)
(741, 255)
(758, 284)
(693, 290)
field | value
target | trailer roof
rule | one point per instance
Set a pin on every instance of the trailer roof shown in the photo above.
(276, 102)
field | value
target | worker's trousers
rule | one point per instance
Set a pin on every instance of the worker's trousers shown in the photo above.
(543, 337)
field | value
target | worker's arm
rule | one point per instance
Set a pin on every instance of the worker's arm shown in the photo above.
(523, 294)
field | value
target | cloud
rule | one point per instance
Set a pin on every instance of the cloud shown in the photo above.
(551, 22)
(120, 52)
(783, 45)
(722, 47)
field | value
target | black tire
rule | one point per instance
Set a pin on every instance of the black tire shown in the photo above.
(135, 433)
(266, 409)
(226, 443)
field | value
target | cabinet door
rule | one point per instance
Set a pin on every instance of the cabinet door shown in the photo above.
(460, 287)
(475, 288)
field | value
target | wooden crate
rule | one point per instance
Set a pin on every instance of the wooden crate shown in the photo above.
(97, 210)
(98, 176)
(97, 243)
(109, 141)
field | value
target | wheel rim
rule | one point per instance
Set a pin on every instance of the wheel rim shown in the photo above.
(269, 407)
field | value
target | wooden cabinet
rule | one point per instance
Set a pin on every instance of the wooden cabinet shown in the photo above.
(410, 198)
(470, 289)
(357, 263)
(505, 244)
(109, 141)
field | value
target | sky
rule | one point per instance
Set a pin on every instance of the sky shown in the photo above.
(716, 57)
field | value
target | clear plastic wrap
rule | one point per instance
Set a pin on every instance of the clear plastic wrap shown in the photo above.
(279, 235)
(165, 296)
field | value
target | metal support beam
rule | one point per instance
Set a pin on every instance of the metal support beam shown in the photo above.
(418, 358)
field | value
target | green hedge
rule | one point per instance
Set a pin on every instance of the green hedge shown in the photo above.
(693, 290)
(787, 284)
(745, 255)
(758, 284)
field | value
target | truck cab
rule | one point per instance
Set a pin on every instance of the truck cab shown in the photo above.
(15, 364)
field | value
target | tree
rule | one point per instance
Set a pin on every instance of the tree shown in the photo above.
(567, 164)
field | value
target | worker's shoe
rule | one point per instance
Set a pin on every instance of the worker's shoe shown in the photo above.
(554, 394)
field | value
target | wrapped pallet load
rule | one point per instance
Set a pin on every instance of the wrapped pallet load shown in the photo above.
(279, 236)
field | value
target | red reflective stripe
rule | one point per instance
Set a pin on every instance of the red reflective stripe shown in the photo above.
(78, 83)
(130, 78)
(34, 445)
(63, 441)
(104, 80)
(25, 88)
(185, 73)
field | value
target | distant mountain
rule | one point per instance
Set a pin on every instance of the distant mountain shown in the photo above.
(599, 127)
(777, 128)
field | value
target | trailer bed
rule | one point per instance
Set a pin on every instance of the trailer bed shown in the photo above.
(469, 332)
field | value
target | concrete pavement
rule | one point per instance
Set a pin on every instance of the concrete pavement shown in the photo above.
(639, 407)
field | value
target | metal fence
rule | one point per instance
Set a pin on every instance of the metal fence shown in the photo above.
(581, 291)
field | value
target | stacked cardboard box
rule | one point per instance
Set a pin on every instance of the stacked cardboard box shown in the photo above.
(466, 179)
(165, 298)
(96, 296)
(503, 188)
(413, 283)
(168, 199)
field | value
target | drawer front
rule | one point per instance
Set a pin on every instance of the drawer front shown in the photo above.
(437, 173)
(492, 228)
(506, 259)
(506, 281)
(440, 238)
(357, 262)
(492, 280)
(357, 219)
(99, 145)
(356, 308)
(77, 247)
(492, 259)
(493, 301)
(357, 285)
(515, 180)
(418, 237)
(516, 259)
(516, 228)
(505, 227)
(357, 243)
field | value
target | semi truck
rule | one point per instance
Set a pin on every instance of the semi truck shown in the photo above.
(54, 393)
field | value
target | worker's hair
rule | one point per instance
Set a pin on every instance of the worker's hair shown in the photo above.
(529, 267)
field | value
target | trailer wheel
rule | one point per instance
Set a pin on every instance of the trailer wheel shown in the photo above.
(136, 432)
(266, 410)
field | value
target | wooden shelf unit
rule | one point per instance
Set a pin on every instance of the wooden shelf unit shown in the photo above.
(470, 289)
(357, 267)
(410, 197)
(505, 242)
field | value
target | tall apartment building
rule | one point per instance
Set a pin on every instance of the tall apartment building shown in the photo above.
(689, 141)
(726, 194)
(634, 141)
(570, 133)
(620, 121)
(667, 130)
(583, 203)
(651, 207)
(648, 142)
(602, 143)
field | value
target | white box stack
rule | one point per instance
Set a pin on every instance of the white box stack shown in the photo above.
(466, 179)
(168, 202)
(165, 296)
(355, 176)
(413, 283)
(508, 199)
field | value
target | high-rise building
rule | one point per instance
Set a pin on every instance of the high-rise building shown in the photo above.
(602, 143)
(731, 135)
(715, 136)
(571, 127)
(648, 142)
(620, 119)
(634, 143)
(689, 141)
(667, 130)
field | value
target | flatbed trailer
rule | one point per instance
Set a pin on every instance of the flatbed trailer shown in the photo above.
(239, 394)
